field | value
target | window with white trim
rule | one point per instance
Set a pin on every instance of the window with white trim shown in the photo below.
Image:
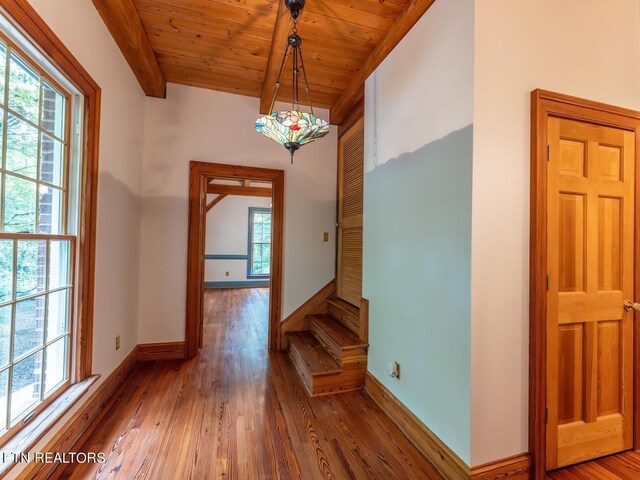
(38, 216)
(259, 264)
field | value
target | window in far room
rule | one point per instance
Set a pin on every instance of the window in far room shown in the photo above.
(259, 242)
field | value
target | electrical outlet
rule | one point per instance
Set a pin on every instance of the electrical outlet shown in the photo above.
(118, 342)
(226, 274)
(325, 237)
(394, 370)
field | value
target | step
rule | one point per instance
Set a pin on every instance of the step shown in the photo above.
(310, 358)
(341, 343)
(347, 314)
(319, 372)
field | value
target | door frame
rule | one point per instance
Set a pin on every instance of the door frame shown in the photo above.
(199, 175)
(544, 104)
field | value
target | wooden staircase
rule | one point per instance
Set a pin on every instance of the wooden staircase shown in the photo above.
(330, 355)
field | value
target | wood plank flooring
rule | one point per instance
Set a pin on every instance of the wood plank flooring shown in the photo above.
(623, 466)
(237, 411)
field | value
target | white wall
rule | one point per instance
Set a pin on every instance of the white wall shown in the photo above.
(197, 124)
(586, 48)
(227, 234)
(417, 219)
(81, 29)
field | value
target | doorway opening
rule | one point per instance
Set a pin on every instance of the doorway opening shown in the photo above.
(235, 241)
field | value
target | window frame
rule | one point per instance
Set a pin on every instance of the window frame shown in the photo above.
(250, 243)
(22, 18)
(45, 399)
(66, 140)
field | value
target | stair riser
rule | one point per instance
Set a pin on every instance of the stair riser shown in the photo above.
(350, 321)
(342, 356)
(327, 342)
(351, 378)
(301, 368)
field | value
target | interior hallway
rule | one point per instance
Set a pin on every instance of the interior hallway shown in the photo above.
(237, 411)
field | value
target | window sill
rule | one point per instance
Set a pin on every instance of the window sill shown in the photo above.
(23, 441)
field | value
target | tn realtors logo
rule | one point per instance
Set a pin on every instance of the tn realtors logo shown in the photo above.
(54, 457)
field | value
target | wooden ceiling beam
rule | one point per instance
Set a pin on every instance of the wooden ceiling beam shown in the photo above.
(238, 190)
(125, 25)
(354, 91)
(213, 203)
(278, 46)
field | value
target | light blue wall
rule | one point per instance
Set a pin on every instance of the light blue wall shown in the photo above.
(417, 219)
(417, 277)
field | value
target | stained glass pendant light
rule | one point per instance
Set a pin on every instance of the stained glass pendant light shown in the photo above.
(293, 128)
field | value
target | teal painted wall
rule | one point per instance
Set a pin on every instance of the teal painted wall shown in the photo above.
(419, 131)
(417, 277)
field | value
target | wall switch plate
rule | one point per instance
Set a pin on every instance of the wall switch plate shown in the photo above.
(394, 370)
(325, 237)
(118, 342)
(226, 274)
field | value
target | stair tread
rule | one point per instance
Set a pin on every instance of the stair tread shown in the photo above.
(344, 305)
(315, 357)
(344, 337)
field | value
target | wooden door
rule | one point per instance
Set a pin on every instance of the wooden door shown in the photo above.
(350, 191)
(590, 248)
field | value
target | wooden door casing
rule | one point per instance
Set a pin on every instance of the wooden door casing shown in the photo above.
(590, 228)
(350, 208)
(546, 104)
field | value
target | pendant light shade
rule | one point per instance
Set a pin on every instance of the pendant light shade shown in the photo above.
(293, 128)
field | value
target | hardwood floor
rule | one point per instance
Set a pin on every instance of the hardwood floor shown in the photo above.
(238, 412)
(623, 466)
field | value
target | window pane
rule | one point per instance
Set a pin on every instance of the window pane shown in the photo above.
(32, 267)
(19, 205)
(265, 251)
(58, 263)
(257, 231)
(22, 147)
(3, 68)
(28, 326)
(1, 130)
(5, 336)
(52, 110)
(55, 371)
(6, 270)
(57, 321)
(50, 210)
(51, 160)
(25, 386)
(261, 259)
(24, 89)
(4, 389)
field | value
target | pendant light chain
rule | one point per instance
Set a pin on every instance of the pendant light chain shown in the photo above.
(293, 128)
(296, 46)
(306, 81)
(277, 84)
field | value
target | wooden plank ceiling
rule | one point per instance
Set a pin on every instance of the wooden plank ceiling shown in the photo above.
(226, 44)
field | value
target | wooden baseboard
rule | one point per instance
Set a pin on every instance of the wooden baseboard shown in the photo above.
(161, 351)
(88, 417)
(85, 420)
(439, 454)
(517, 467)
(316, 304)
